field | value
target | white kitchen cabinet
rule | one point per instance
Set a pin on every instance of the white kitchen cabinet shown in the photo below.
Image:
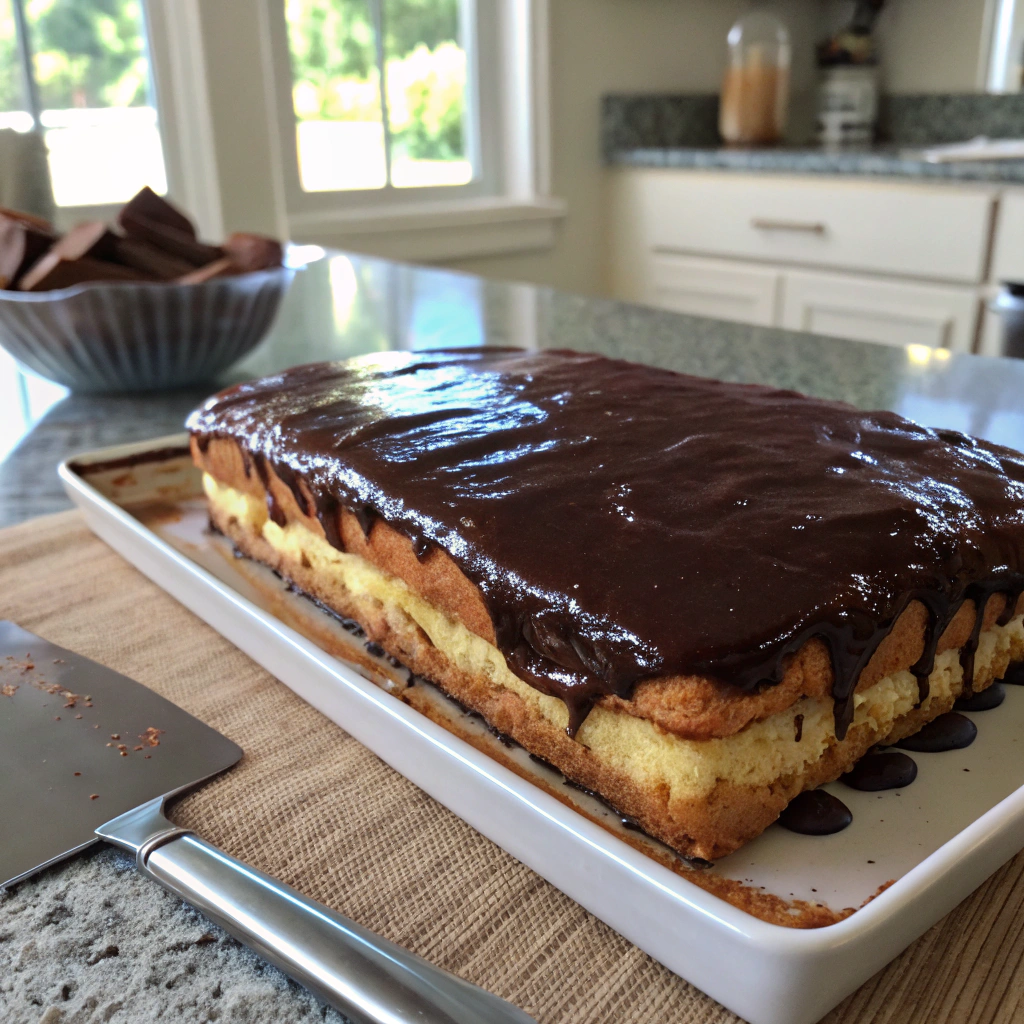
(939, 232)
(1008, 249)
(885, 311)
(894, 262)
(724, 289)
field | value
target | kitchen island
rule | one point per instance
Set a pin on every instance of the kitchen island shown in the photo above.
(90, 940)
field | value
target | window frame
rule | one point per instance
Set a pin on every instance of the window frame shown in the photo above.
(66, 217)
(221, 120)
(482, 120)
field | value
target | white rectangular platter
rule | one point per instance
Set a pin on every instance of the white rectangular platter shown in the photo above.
(934, 841)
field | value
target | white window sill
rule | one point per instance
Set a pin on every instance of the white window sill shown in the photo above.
(436, 231)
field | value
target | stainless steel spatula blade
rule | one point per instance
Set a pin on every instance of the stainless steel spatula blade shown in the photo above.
(88, 754)
(81, 744)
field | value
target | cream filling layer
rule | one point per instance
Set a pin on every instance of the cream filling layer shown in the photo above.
(758, 755)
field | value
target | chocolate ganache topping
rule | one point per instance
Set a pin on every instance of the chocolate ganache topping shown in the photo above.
(624, 522)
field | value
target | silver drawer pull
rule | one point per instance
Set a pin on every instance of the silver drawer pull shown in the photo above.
(808, 227)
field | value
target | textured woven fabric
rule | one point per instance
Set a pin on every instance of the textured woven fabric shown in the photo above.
(311, 806)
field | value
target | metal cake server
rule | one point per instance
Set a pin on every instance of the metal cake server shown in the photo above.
(87, 754)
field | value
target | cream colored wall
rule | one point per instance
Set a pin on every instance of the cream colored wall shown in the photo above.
(934, 45)
(927, 45)
(603, 46)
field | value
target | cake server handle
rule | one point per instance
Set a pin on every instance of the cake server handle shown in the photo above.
(366, 977)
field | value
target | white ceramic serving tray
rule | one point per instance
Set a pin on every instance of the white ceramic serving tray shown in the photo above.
(936, 840)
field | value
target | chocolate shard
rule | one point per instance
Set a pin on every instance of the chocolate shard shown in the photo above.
(223, 267)
(170, 240)
(51, 273)
(253, 252)
(154, 209)
(23, 240)
(133, 252)
(91, 242)
(29, 219)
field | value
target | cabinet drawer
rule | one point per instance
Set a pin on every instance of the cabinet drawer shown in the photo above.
(888, 312)
(914, 230)
(748, 293)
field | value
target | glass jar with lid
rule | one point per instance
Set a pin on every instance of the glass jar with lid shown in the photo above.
(755, 93)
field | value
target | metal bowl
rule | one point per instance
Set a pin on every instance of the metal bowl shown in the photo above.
(140, 336)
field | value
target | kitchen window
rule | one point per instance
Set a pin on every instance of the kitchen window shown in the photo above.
(383, 93)
(78, 71)
(413, 128)
(387, 101)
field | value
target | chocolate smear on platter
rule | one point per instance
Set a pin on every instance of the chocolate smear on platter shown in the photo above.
(881, 770)
(987, 699)
(951, 731)
(624, 522)
(815, 812)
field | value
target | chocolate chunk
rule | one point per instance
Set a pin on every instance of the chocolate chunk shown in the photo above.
(91, 241)
(253, 252)
(133, 252)
(984, 700)
(816, 813)
(29, 220)
(154, 210)
(216, 268)
(64, 273)
(23, 241)
(169, 240)
(947, 732)
(888, 769)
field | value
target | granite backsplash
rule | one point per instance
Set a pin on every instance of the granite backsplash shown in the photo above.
(691, 120)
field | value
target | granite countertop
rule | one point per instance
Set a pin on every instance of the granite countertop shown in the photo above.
(874, 161)
(341, 306)
(681, 131)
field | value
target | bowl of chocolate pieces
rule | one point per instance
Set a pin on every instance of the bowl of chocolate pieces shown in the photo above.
(138, 305)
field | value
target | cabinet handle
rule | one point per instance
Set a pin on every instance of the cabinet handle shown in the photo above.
(808, 227)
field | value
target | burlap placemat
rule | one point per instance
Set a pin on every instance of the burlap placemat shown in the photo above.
(311, 806)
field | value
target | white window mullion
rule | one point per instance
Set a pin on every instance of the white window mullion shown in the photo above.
(28, 78)
(377, 13)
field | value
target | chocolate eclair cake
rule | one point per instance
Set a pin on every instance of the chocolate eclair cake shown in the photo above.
(696, 598)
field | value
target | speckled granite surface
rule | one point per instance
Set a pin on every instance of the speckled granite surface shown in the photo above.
(682, 131)
(94, 942)
(57, 932)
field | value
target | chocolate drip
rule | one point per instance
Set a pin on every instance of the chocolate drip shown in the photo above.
(274, 510)
(1012, 595)
(328, 512)
(365, 515)
(970, 648)
(623, 523)
(130, 461)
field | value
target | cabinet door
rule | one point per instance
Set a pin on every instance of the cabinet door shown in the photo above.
(725, 289)
(888, 312)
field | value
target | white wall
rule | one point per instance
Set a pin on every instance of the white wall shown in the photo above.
(928, 45)
(602, 46)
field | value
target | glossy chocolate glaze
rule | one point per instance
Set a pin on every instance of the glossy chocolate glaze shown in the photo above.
(624, 522)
